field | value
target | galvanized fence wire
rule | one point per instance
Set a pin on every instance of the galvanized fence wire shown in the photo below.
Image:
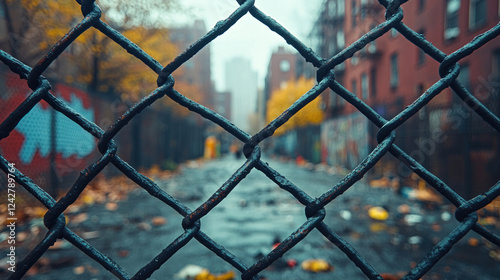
(55, 221)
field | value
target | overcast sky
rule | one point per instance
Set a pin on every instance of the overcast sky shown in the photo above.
(249, 37)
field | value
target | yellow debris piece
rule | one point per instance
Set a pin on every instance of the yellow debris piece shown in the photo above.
(206, 275)
(378, 213)
(316, 265)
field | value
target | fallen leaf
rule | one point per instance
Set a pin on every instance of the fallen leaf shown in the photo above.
(144, 226)
(80, 218)
(22, 236)
(473, 242)
(60, 244)
(90, 234)
(316, 265)
(79, 270)
(189, 271)
(387, 276)
(123, 253)
(158, 221)
(378, 213)
(111, 206)
(404, 209)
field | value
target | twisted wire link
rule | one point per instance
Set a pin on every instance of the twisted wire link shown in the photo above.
(315, 213)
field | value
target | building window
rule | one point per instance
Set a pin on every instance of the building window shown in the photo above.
(477, 13)
(421, 53)
(421, 5)
(354, 85)
(364, 86)
(373, 84)
(332, 8)
(451, 29)
(285, 66)
(340, 39)
(394, 71)
(340, 7)
(363, 9)
(353, 13)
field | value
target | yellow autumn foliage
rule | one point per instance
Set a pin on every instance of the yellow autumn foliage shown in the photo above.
(284, 97)
(46, 22)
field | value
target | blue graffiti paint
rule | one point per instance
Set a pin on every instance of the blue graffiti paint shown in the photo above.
(71, 139)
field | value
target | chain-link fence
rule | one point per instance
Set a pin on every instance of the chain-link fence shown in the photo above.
(53, 157)
(314, 207)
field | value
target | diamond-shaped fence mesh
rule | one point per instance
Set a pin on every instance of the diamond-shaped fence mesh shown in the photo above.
(314, 206)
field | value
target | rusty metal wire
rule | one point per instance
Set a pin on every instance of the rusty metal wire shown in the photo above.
(314, 207)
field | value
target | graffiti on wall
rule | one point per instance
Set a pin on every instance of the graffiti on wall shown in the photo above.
(29, 145)
(344, 140)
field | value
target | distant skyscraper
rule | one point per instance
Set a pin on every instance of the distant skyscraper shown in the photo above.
(241, 81)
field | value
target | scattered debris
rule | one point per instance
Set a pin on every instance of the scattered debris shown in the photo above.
(90, 235)
(123, 253)
(414, 240)
(413, 219)
(474, 242)
(385, 182)
(206, 275)
(378, 213)
(316, 265)
(291, 263)
(196, 272)
(346, 215)
(144, 226)
(189, 272)
(111, 206)
(158, 221)
(79, 270)
(404, 209)
(79, 218)
(422, 194)
(445, 216)
(60, 244)
(388, 276)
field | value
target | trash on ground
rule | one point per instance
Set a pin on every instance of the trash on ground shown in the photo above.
(206, 275)
(445, 216)
(189, 272)
(422, 194)
(384, 182)
(404, 209)
(412, 219)
(388, 276)
(158, 221)
(414, 240)
(111, 206)
(79, 270)
(378, 213)
(346, 215)
(316, 265)
(473, 242)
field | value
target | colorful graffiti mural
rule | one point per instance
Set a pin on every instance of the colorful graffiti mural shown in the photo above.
(29, 145)
(344, 140)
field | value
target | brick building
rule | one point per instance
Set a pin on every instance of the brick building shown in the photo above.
(196, 71)
(390, 73)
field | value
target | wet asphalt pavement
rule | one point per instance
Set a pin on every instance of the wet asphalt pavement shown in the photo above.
(255, 214)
